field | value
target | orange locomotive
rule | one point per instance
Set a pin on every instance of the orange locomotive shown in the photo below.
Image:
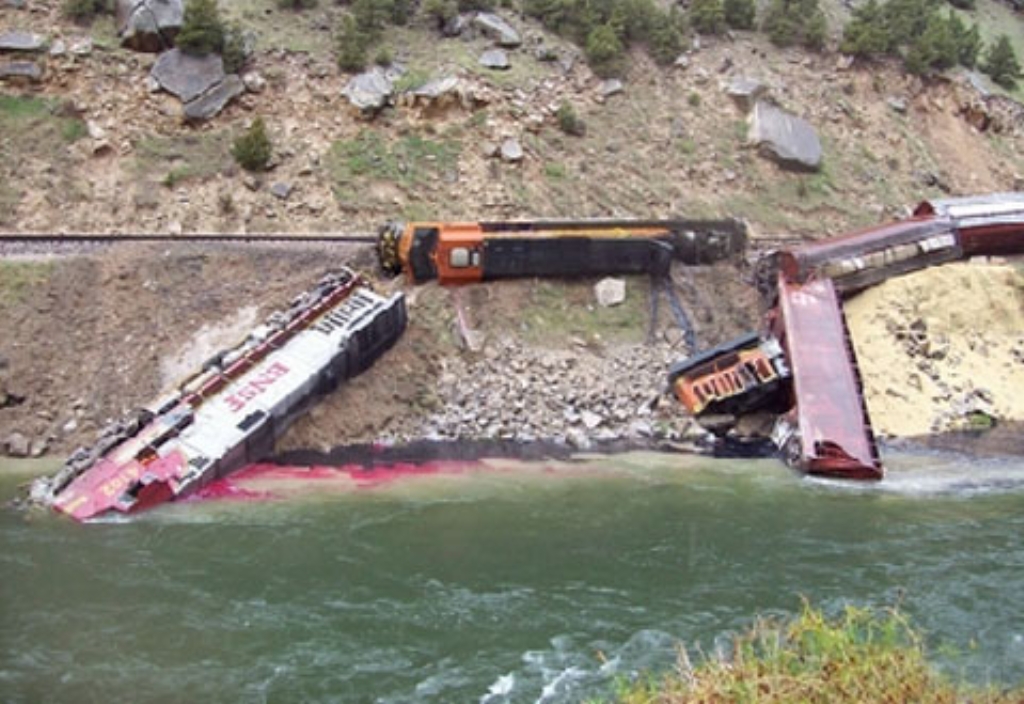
(465, 252)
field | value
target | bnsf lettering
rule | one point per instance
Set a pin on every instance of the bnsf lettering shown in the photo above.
(256, 386)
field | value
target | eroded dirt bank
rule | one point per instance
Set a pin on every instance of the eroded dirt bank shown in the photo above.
(87, 338)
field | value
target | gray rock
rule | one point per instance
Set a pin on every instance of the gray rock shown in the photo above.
(511, 150)
(149, 25)
(15, 4)
(495, 59)
(21, 72)
(455, 26)
(613, 86)
(214, 100)
(898, 105)
(790, 141)
(81, 46)
(254, 82)
(38, 448)
(590, 419)
(187, 76)
(682, 61)
(498, 29)
(437, 88)
(17, 445)
(746, 91)
(21, 41)
(610, 292)
(58, 48)
(371, 91)
(281, 190)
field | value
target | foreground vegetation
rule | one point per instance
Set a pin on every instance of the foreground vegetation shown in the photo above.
(861, 656)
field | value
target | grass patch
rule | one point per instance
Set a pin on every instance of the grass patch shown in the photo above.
(37, 123)
(555, 172)
(17, 278)
(184, 157)
(410, 161)
(558, 310)
(860, 656)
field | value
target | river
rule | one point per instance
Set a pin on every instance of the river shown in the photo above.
(498, 581)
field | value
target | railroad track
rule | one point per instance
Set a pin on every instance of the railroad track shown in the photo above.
(42, 238)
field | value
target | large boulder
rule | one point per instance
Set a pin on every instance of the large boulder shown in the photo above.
(149, 25)
(785, 138)
(21, 41)
(214, 100)
(187, 76)
(497, 29)
(21, 72)
(371, 91)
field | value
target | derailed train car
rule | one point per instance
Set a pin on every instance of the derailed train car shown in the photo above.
(230, 413)
(465, 252)
(826, 429)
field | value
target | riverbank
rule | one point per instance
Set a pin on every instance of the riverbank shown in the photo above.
(91, 337)
(859, 656)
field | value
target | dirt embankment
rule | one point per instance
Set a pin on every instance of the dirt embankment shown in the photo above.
(942, 349)
(87, 339)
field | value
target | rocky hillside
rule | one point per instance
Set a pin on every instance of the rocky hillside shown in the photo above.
(102, 142)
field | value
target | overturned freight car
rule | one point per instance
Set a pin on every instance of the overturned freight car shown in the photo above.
(824, 427)
(230, 413)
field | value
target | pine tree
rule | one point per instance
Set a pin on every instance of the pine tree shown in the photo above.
(739, 14)
(252, 150)
(935, 49)
(1001, 63)
(352, 45)
(865, 35)
(604, 51)
(667, 38)
(708, 16)
(202, 30)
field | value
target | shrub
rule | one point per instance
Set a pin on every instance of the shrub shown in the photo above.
(865, 35)
(935, 49)
(352, 45)
(84, 10)
(202, 30)
(236, 52)
(968, 41)
(1001, 63)
(252, 149)
(739, 14)
(788, 22)
(296, 4)
(666, 38)
(604, 51)
(569, 122)
(708, 16)
(441, 11)
(372, 16)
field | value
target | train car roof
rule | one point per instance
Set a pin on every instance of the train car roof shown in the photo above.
(976, 210)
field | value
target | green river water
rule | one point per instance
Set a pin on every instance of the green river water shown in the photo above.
(514, 582)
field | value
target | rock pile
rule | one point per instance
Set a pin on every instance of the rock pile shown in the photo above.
(579, 396)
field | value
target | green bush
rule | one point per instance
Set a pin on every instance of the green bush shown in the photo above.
(569, 122)
(739, 14)
(84, 10)
(789, 22)
(235, 52)
(202, 30)
(667, 38)
(866, 35)
(934, 50)
(441, 11)
(968, 41)
(604, 51)
(352, 45)
(708, 16)
(296, 4)
(1001, 63)
(252, 149)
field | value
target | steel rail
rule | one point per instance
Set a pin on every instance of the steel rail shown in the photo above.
(40, 238)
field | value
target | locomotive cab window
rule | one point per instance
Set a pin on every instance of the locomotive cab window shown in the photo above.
(463, 257)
